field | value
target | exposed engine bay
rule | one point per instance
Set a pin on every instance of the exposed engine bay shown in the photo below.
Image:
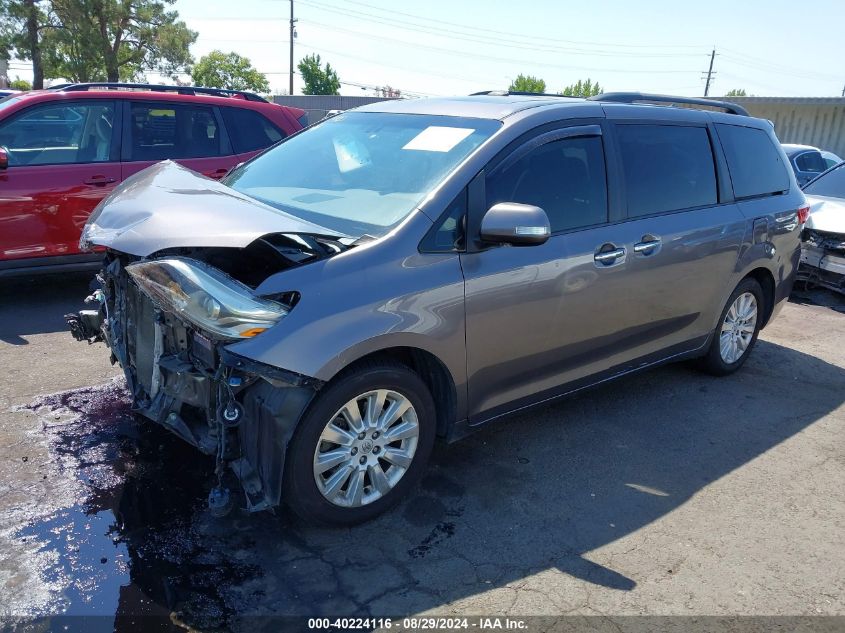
(823, 259)
(168, 328)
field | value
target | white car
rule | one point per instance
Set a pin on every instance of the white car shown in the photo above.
(823, 240)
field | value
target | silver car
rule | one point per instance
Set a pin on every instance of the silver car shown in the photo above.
(415, 269)
(808, 162)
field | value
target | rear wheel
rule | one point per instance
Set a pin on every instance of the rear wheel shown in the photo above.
(361, 446)
(736, 333)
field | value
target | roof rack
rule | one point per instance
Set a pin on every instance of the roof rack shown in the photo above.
(182, 90)
(522, 93)
(639, 97)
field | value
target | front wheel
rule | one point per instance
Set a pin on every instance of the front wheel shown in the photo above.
(361, 446)
(736, 333)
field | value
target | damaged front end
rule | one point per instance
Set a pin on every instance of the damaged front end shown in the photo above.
(167, 322)
(823, 259)
(173, 299)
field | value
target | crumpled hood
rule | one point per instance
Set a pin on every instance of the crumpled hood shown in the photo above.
(169, 206)
(826, 214)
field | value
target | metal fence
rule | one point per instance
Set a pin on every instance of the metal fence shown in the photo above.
(318, 105)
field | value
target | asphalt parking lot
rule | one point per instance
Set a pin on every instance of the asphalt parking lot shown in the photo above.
(669, 493)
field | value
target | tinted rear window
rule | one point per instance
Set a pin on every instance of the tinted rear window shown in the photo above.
(753, 160)
(249, 130)
(667, 168)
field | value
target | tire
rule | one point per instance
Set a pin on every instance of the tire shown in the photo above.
(363, 494)
(720, 362)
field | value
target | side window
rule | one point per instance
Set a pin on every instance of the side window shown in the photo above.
(249, 130)
(753, 160)
(666, 168)
(449, 235)
(60, 134)
(166, 130)
(566, 178)
(811, 162)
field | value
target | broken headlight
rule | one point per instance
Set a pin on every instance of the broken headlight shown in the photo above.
(206, 297)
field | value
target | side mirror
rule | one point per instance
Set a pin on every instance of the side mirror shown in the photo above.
(516, 224)
(4, 158)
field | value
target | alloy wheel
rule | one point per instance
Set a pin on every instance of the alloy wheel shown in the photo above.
(738, 328)
(366, 448)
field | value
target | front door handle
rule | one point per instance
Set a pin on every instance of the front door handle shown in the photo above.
(609, 257)
(99, 180)
(646, 247)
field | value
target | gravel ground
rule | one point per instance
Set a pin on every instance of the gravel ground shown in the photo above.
(667, 493)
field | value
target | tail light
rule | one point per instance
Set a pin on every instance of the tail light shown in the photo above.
(803, 214)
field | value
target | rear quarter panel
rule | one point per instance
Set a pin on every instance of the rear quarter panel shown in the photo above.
(772, 239)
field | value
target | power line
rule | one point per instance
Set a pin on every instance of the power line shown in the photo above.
(759, 63)
(453, 53)
(321, 49)
(477, 38)
(475, 29)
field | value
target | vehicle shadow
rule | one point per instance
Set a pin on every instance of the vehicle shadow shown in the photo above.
(538, 491)
(807, 294)
(37, 305)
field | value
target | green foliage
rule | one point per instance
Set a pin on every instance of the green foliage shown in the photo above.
(527, 83)
(318, 81)
(20, 84)
(583, 89)
(736, 92)
(95, 40)
(228, 70)
(25, 29)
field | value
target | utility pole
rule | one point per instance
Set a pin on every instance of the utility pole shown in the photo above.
(292, 35)
(709, 72)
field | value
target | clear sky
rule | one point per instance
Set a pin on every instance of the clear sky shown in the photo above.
(441, 47)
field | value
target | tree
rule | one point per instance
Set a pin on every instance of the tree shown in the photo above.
(736, 92)
(118, 39)
(20, 84)
(228, 70)
(527, 83)
(582, 89)
(24, 25)
(318, 81)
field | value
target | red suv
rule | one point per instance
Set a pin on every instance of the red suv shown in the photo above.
(64, 149)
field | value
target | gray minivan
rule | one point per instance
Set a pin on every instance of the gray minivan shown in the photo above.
(417, 268)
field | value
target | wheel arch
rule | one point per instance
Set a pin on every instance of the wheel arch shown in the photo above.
(432, 370)
(766, 279)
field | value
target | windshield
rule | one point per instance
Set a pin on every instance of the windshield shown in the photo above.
(361, 172)
(830, 184)
(5, 102)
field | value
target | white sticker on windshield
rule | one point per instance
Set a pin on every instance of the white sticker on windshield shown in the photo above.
(351, 154)
(438, 139)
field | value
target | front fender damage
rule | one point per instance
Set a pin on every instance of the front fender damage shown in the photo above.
(238, 410)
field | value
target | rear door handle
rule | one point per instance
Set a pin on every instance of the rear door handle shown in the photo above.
(609, 257)
(99, 180)
(646, 247)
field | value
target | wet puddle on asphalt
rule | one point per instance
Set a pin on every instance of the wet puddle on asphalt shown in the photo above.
(135, 541)
(126, 542)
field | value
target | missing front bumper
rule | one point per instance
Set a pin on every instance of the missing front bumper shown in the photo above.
(821, 266)
(240, 411)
